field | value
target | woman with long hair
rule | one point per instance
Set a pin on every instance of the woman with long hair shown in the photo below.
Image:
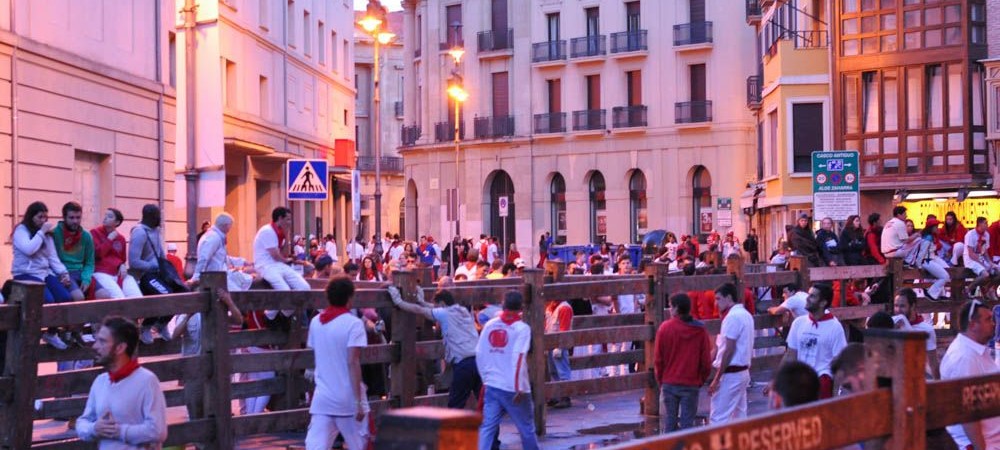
(852, 241)
(369, 270)
(512, 253)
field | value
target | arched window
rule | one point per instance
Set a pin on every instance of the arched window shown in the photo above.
(502, 226)
(598, 209)
(558, 197)
(701, 202)
(637, 205)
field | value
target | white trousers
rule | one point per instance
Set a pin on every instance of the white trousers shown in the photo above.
(323, 430)
(956, 252)
(283, 277)
(255, 405)
(937, 268)
(730, 401)
(109, 283)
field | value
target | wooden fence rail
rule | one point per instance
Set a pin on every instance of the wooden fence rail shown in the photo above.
(208, 388)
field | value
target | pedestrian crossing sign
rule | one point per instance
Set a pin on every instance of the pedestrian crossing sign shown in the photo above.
(307, 179)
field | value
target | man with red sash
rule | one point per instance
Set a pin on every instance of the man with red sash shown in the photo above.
(817, 338)
(270, 259)
(905, 307)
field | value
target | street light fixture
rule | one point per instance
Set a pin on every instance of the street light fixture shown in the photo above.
(374, 23)
(456, 90)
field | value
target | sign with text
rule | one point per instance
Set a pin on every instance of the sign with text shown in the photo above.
(836, 184)
(503, 206)
(724, 211)
(307, 179)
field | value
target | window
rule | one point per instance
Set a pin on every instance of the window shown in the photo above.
(554, 88)
(593, 16)
(501, 97)
(637, 206)
(698, 86)
(807, 134)
(346, 58)
(418, 39)
(772, 143)
(696, 9)
(290, 26)
(453, 16)
(265, 97)
(230, 84)
(321, 43)
(172, 57)
(557, 191)
(632, 23)
(869, 102)
(552, 27)
(701, 202)
(334, 43)
(633, 87)
(934, 96)
(598, 209)
(306, 34)
(593, 92)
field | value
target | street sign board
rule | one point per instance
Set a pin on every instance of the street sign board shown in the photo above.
(836, 184)
(503, 206)
(724, 211)
(307, 179)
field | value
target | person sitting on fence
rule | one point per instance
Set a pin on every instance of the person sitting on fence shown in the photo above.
(734, 345)
(501, 357)
(817, 338)
(682, 363)
(458, 331)
(559, 318)
(976, 257)
(270, 261)
(922, 256)
(803, 241)
(794, 384)
(111, 278)
(144, 259)
(339, 403)
(952, 239)
(968, 356)
(75, 247)
(905, 308)
(126, 408)
(896, 240)
(35, 259)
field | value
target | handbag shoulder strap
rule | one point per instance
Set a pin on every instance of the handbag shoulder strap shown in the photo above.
(149, 242)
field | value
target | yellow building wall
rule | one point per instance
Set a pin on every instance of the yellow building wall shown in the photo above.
(966, 211)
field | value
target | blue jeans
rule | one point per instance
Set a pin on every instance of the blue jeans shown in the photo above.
(464, 381)
(495, 403)
(684, 398)
(559, 366)
(55, 291)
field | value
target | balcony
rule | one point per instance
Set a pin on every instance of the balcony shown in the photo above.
(755, 85)
(588, 46)
(397, 107)
(697, 33)
(390, 164)
(628, 116)
(409, 135)
(589, 120)
(494, 41)
(493, 127)
(754, 12)
(550, 123)
(445, 131)
(550, 51)
(451, 43)
(693, 112)
(629, 41)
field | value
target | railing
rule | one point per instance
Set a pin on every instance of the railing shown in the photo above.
(755, 84)
(409, 135)
(753, 10)
(492, 127)
(548, 51)
(445, 131)
(811, 39)
(629, 41)
(589, 119)
(628, 116)
(693, 33)
(391, 164)
(582, 47)
(451, 43)
(693, 112)
(493, 40)
(550, 123)
(398, 108)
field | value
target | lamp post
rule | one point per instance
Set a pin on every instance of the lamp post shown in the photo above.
(375, 23)
(456, 90)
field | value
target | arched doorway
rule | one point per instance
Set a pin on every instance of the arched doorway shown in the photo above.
(557, 191)
(701, 202)
(412, 228)
(598, 209)
(638, 217)
(501, 188)
(402, 217)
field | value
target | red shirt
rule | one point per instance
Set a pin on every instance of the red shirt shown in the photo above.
(109, 254)
(994, 248)
(683, 356)
(956, 234)
(178, 265)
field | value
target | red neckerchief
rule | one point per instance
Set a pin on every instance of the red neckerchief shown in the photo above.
(509, 317)
(918, 320)
(70, 238)
(330, 313)
(281, 235)
(124, 371)
(815, 322)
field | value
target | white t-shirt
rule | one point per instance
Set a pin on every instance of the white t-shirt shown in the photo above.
(469, 273)
(491, 253)
(738, 325)
(334, 394)
(497, 352)
(893, 237)
(971, 239)
(331, 250)
(926, 327)
(967, 358)
(355, 251)
(817, 345)
(395, 252)
(626, 304)
(266, 238)
(796, 304)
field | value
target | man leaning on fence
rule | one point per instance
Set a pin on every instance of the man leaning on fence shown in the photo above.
(968, 356)
(732, 360)
(682, 363)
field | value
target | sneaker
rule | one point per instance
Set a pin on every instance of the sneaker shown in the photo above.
(146, 336)
(54, 340)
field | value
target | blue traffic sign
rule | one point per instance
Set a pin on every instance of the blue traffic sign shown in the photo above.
(307, 179)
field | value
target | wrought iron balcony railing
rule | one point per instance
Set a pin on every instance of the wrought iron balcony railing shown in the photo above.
(589, 119)
(492, 127)
(628, 116)
(693, 33)
(548, 51)
(693, 112)
(629, 41)
(550, 123)
(582, 47)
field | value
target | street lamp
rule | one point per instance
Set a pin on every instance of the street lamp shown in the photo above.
(456, 90)
(375, 23)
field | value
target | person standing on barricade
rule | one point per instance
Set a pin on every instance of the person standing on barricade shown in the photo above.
(732, 359)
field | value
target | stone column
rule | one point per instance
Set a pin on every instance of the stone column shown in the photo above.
(409, 71)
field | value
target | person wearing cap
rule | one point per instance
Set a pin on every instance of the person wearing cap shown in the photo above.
(923, 257)
(519, 266)
(175, 260)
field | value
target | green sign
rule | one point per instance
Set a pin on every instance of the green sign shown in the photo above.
(836, 184)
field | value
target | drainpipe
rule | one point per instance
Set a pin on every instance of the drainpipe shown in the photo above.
(191, 168)
(14, 159)
(160, 187)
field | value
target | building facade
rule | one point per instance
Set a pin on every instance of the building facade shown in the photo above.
(992, 65)
(593, 120)
(274, 81)
(391, 109)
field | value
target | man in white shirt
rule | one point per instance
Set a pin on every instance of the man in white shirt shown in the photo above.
(492, 251)
(340, 401)
(967, 356)
(976, 257)
(817, 338)
(732, 359)
(501, 357)
(905, 305)
(355, 251)
(270, 261)
(330, 247)
(894, 235)
(793, 306)
(212, 248)
(468, 268)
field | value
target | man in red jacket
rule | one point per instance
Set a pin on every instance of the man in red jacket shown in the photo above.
(682, 363)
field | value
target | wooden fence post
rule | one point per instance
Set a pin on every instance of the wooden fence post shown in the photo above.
(556, 269)
(734, 267)
(215, 345)
(534, 316)
(22, 365)
(404, 335)
(900, 356)
(655, 304)
(894, 271)
(799, 265)
(426, 370)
